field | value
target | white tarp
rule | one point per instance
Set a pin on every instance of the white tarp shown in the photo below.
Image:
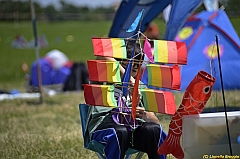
(58, 58)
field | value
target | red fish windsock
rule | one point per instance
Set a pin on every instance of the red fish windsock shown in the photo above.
(194, 99)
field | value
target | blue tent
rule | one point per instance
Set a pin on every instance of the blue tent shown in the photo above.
(49, 75)
(47, 72)
(128, 11)
(199, 33)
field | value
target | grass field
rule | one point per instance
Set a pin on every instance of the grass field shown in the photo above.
(56, 33)
(52, 129)
(80, 49)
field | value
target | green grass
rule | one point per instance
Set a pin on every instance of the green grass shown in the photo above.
(52, 129)
(236, 24)
(80, 49)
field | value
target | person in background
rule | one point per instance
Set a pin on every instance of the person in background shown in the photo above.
(152, 31)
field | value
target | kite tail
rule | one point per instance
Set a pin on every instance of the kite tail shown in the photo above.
(171, 145)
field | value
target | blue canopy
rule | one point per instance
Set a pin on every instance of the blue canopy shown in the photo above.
(128, 11)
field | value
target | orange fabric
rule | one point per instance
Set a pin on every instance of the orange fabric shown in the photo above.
(194, 99)
(135, 95)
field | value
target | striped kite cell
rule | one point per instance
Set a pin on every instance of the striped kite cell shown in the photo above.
(100, 95)
(158, 101)
(164, 76)
(110, 47)
(170, 52)
(104, 71)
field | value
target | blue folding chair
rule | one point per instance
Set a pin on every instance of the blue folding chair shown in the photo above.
(96, 146)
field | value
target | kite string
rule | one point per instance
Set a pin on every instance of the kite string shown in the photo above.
(210, 62)
(132, 36)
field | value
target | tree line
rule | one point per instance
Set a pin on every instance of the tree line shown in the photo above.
(10, 9)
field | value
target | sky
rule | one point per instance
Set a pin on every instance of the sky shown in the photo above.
(89, 3)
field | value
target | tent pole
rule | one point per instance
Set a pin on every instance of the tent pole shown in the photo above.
(37, 50)
(224, 103)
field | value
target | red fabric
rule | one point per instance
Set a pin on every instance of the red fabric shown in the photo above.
(102, 47)
(170, 105)
(135, 94)
(194, 99)
(182, 53)
(88, 95)
(176, 82)
(92, 70)
(93, 94)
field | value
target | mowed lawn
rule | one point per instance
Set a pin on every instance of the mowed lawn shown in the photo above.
(52, 129)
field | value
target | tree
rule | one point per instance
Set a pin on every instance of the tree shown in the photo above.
(49, 10)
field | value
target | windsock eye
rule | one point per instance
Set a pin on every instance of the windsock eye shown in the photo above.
(206, 89)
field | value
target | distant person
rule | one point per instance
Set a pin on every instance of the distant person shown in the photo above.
(152, 31)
